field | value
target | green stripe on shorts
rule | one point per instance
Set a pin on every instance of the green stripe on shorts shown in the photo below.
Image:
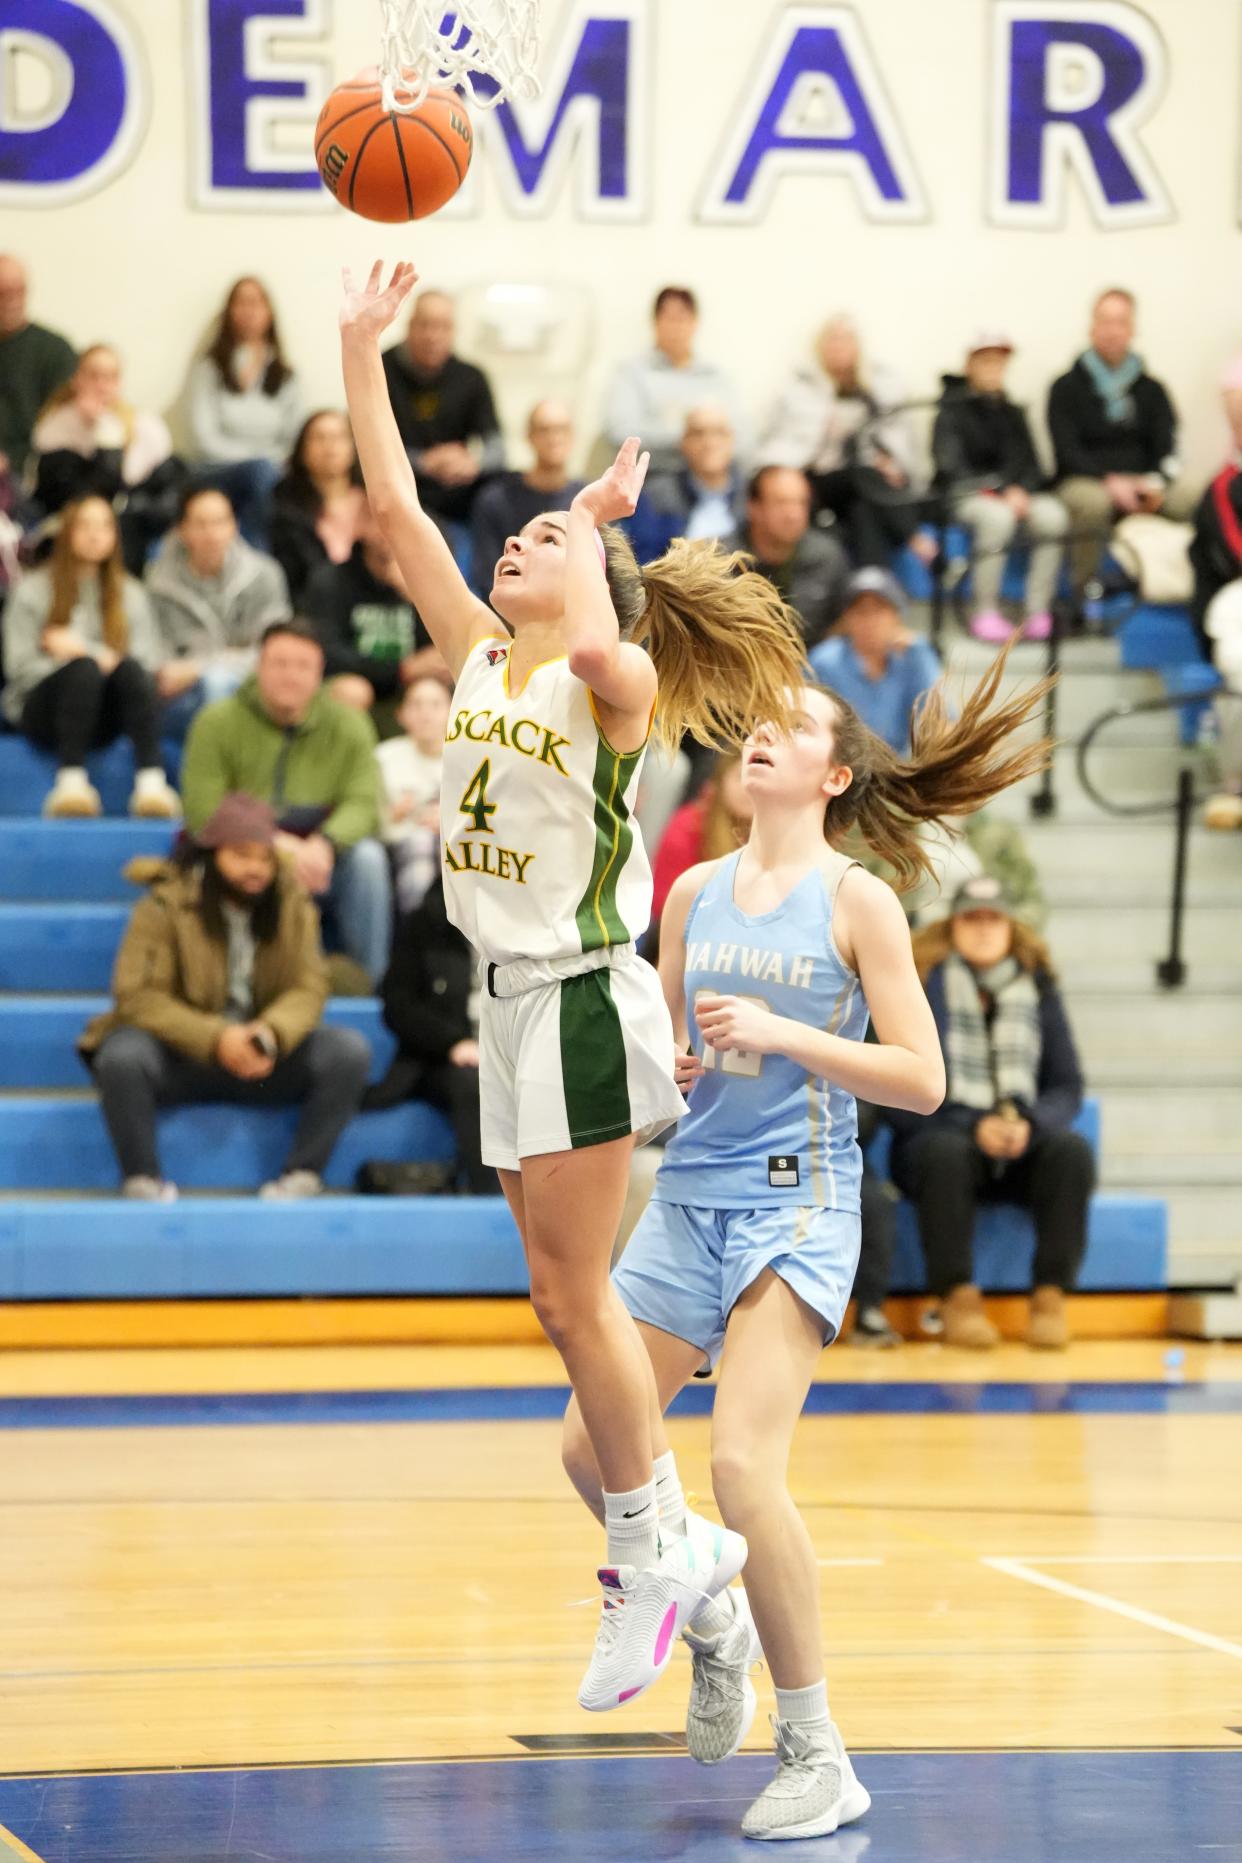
(593, 1066)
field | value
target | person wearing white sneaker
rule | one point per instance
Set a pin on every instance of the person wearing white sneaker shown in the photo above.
(547, 876)
(80, 650)
(746, 1254)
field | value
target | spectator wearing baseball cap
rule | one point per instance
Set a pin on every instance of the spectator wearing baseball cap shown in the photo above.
(874, 661)
(987, 465)
(1003, 1133)
(220, 987)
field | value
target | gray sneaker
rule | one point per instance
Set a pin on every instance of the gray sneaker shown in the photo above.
(722, 1695)
(292, 1186)
(814, 1790)
(149, 1190)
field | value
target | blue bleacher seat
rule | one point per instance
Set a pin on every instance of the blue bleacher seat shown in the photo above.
(1158, 634)
(54, 946)
(26, 774)
(62, 1144)
(232, 1248)
(76, 862)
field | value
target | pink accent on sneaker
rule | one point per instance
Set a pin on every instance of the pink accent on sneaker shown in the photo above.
(1037, 627)
(666, 1634)
(992, 627)
(628, 1694)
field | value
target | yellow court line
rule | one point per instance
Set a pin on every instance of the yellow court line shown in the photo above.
(16, 1846)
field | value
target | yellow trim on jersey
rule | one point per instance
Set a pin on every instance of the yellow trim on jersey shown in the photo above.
(539, 664)
(604, 738)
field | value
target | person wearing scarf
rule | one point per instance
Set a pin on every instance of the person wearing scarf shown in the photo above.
(1003, 1133)
(1114, 433)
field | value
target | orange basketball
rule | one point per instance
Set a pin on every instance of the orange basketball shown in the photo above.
(392, 165)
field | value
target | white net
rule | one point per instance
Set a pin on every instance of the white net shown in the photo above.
(428, 42)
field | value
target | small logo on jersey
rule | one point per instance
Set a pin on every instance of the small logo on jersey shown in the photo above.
(496, 656)
(783, 1173)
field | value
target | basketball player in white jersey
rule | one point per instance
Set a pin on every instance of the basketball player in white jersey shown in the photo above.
(545, 872)
(773, 960)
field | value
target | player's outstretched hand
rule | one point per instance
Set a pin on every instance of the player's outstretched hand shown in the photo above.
(616, 494)
(368, 311)
(735, 1023)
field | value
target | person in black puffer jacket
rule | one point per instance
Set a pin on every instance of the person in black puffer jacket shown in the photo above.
(987, 464)
(430, 1000)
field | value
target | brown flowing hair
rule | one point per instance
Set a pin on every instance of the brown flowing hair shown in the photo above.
(721, 833)
(955, 766)
(63, 570)
(62, 396)
(934, 944)
(223, 343)
(728, 652)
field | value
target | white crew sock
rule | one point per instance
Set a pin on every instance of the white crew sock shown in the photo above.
(669, 1498)
(632, 1522)
(713, 1617)
(807, 1708)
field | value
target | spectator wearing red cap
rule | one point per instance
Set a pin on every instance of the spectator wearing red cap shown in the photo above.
(220, 987)
(986, 461)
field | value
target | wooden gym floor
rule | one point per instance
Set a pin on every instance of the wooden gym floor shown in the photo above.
(317, 1603)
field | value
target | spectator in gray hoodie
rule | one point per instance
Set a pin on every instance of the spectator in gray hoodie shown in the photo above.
(213, 595)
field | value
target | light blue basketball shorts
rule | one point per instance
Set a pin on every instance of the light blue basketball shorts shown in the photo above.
(685, 1268)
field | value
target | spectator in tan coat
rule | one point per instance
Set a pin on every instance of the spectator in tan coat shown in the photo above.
(220, 987)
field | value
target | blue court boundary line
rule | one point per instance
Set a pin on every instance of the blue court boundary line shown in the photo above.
(518, 1758)
(526, 1403)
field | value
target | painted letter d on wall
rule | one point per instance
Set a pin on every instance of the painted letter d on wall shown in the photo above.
(79, 59)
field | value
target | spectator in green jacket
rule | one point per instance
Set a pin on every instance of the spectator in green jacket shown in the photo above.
(283, 738)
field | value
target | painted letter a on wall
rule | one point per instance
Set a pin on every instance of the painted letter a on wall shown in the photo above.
(87, 73)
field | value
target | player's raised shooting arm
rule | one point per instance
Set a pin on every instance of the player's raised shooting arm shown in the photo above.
(905, 1068)
(454, 618)
(619, 674)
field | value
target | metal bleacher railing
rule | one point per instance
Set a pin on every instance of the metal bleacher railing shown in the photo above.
(1196, 709)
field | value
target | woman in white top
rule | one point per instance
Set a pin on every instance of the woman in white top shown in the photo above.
(839, 419)
(89, 440)
(546, 874)
(245, 407)
(80, 650)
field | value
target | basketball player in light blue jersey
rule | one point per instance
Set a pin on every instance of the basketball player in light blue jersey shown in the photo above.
(773, 960)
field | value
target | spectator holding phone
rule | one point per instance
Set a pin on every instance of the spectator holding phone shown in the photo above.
(219, 992)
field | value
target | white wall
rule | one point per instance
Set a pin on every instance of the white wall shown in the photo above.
(135, 262)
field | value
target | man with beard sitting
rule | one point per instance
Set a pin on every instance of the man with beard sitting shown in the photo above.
(220, 987)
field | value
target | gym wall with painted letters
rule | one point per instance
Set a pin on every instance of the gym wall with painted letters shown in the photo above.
(928, 165)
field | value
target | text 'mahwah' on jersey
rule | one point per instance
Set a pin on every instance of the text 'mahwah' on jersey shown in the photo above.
(542, 857)
(760, 1129)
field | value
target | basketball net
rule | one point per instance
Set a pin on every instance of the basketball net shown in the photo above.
(451, 42)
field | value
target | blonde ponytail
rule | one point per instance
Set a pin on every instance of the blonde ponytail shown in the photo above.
(727, 650)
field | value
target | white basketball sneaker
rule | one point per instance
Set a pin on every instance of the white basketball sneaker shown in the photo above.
(722, 1695)
(815, 1788)
(645, 1612)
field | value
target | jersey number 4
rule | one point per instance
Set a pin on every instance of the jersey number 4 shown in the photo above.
(474, 802)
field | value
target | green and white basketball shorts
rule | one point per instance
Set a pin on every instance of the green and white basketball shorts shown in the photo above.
(575, 1051)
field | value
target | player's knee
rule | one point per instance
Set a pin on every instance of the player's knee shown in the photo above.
(740, 1473)
(561, 1319)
